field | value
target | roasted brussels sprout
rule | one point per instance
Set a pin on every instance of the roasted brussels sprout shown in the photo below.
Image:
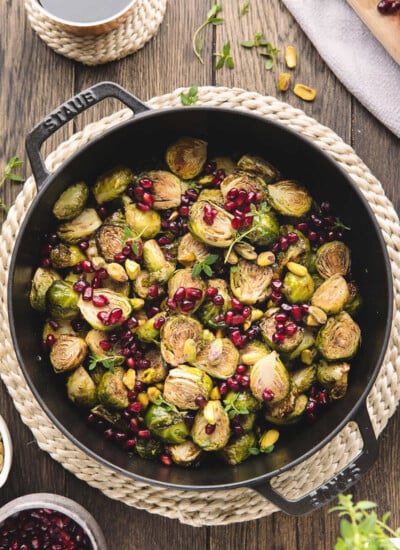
(287, 412)
(160, 269)
(141, 284)
(289, 198)
(148, 331)
(191, 250)
(340, 338)
(186, 157)
(80, 228)
(218, 358)
(252, 352)
(81, 388)
(243, 180)
(304, 378)
(224, 163)
(266, 229)
(42, 280)
(110, 240)
(191, 288)
(290, 341)
(184, 385)
(166, 424)
(60, 327)
(250, 283)
(215, 438)
(239, 449)
(156, 372)
(106, 311)
(111, 185)
(185, 454)
(332, 258)
(147, 224)
(210, 312)
(298, 288)
(211, 223)
(242, 401)
(269, 379)
(148, 448)
(63, 255)
(258, 165)
(111, 391)
(67, 353)
(71, 202)
(166, 190)
(95, 338)
(62, 301)
(175, 332)
(334, 377)
(332, 295)
(355, 301)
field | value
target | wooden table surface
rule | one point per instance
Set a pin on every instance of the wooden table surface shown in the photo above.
(34, 80)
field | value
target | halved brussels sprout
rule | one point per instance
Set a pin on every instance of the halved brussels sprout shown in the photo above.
(209, 312)
(94, 338)
(184, 384)
(269, 373)
(193, 286)
(185, 454)
(289, 198)
(146, 224)
(156, 372)
(142, 283)
(67, 353)
(298, 252)
(218, 358)
(307, 341)
(355, 301)
(111, 391)
(112, 184)
(167, 189)
(115, 309)
(42, 280)
(331, 296)
(298, 289)
(211, 223)
(160, 269)
(166, 424)
(71, 202)
(254, 163)
(191, 250)
(62, 327)
(219, 437)
(239, 449)
(80, 228)
(175, 332)
(63, 255)
(81, 388)
(224, 163)
(332, 258)
(110, 240)
(148, 448)
(242, 401)
(287, 412)
(252, 352)
(147, 332)
(250, 283)
(334, 377)
(340, 338)
(290, 341)
(304, 378)
(111, 417)
(186, 157)
(243, 180)
(62, 301)
(266, 230)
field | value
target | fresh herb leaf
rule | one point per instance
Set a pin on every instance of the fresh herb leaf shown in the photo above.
(258, 41)
(191, 96)
(161, 401)
(129, 235)
(212, 19)
(256, 451)
(232, 409)
(245, 8)
(107, 362)
(270, 55)
(204, 266)
(225, 57)
(9, 174)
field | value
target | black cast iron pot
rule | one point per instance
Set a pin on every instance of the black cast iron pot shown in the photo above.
(144, 138)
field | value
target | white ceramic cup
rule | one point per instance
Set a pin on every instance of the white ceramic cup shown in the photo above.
(7, 451)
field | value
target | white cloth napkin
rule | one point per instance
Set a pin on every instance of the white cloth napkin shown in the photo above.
(352, 52)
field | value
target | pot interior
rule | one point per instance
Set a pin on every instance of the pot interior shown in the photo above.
(141, 142)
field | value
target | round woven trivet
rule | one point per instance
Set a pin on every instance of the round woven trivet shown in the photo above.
(243, 504)
(129, 37)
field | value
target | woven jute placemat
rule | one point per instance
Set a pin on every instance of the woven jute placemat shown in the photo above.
(229, 506)
(129, 37)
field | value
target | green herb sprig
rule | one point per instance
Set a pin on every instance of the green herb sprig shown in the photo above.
(232, 409)
(204, 266)
(360, 527)
(191, 97)
(225, 58)
(130, 235)
(212, 19)
(260, 42)
(257, 224)
(169, 406)
(9, 174)
(244, 8)
(107, 362)
(256, 450)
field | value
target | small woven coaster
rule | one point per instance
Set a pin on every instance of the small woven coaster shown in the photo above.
(128, 38)
(236, 505)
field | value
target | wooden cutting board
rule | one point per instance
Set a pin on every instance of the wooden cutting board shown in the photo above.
(386, 28)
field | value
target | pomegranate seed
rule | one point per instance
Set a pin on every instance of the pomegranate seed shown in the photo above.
(171, 303)
(246, 312)
(281, 317)
(277, 337)
(100, 300)
(286, 307)
(166, 460)
(290, 329)
(200, 401)
(187, 305)
(311, 405)
(276, 297)
(143, 207)
(280, 327)
(105, 345)
(283, 243)
(132, 323)
(245, 382)
(50, 340)
(268, 395)
(129, 444)
(297, 313)
(241, 369)
(139, 386)
(96, 282)
(194, 293)
(223, 388)
(143, 363)
(236, 338)
(211, 291)
(275, 248)
(139, 192)
(238, 320)
(158, 323)
(135, 407)
(277, 284)
(45, 262)
(228, 317)
(323, 398)
(153, 291)
(219, 318)
(236, 223)
(80, 285)
(164, 240)
(87, 294)
(148, 199)
(303, 227)
(236, 304)
(184, 211)
(233, 384)
(146, 183)
(131, 363)
(180, 294)
(252, 197)
(312, 236)
(87, 266)
(209, 167)
(134, 425)
(292, 237)
(145, 434)
(120, 257)
(230, 206)
(218, 300)
(210, 428)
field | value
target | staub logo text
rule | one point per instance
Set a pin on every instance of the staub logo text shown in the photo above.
(68, 110)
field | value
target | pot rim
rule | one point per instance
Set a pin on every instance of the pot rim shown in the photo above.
(361, 401)
(7, 451)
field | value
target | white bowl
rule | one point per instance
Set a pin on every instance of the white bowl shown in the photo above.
(7, 451)
(61, 504)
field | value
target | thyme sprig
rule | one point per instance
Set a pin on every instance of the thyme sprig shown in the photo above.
(260, 42)
(191, 96)
(257, 214)
(204, 265)
(225, 58)
(212, 19)
(244, 8)
(232, 409)
(9, 174)
(108, 362)
(169, 406)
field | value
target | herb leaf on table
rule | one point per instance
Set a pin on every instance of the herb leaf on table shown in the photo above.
(9, 174)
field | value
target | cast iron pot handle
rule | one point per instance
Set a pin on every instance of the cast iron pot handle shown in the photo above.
(66, 112)
(339, 483)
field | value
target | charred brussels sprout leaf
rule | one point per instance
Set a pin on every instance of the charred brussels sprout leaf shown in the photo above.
(258, 165)
(71, 202)
(148, 448)
(186, 157)
(239, 449)
(185, 454)
(63, 255)
(334, 377)
(110, 240)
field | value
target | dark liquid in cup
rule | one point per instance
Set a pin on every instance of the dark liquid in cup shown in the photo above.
(84, 11)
